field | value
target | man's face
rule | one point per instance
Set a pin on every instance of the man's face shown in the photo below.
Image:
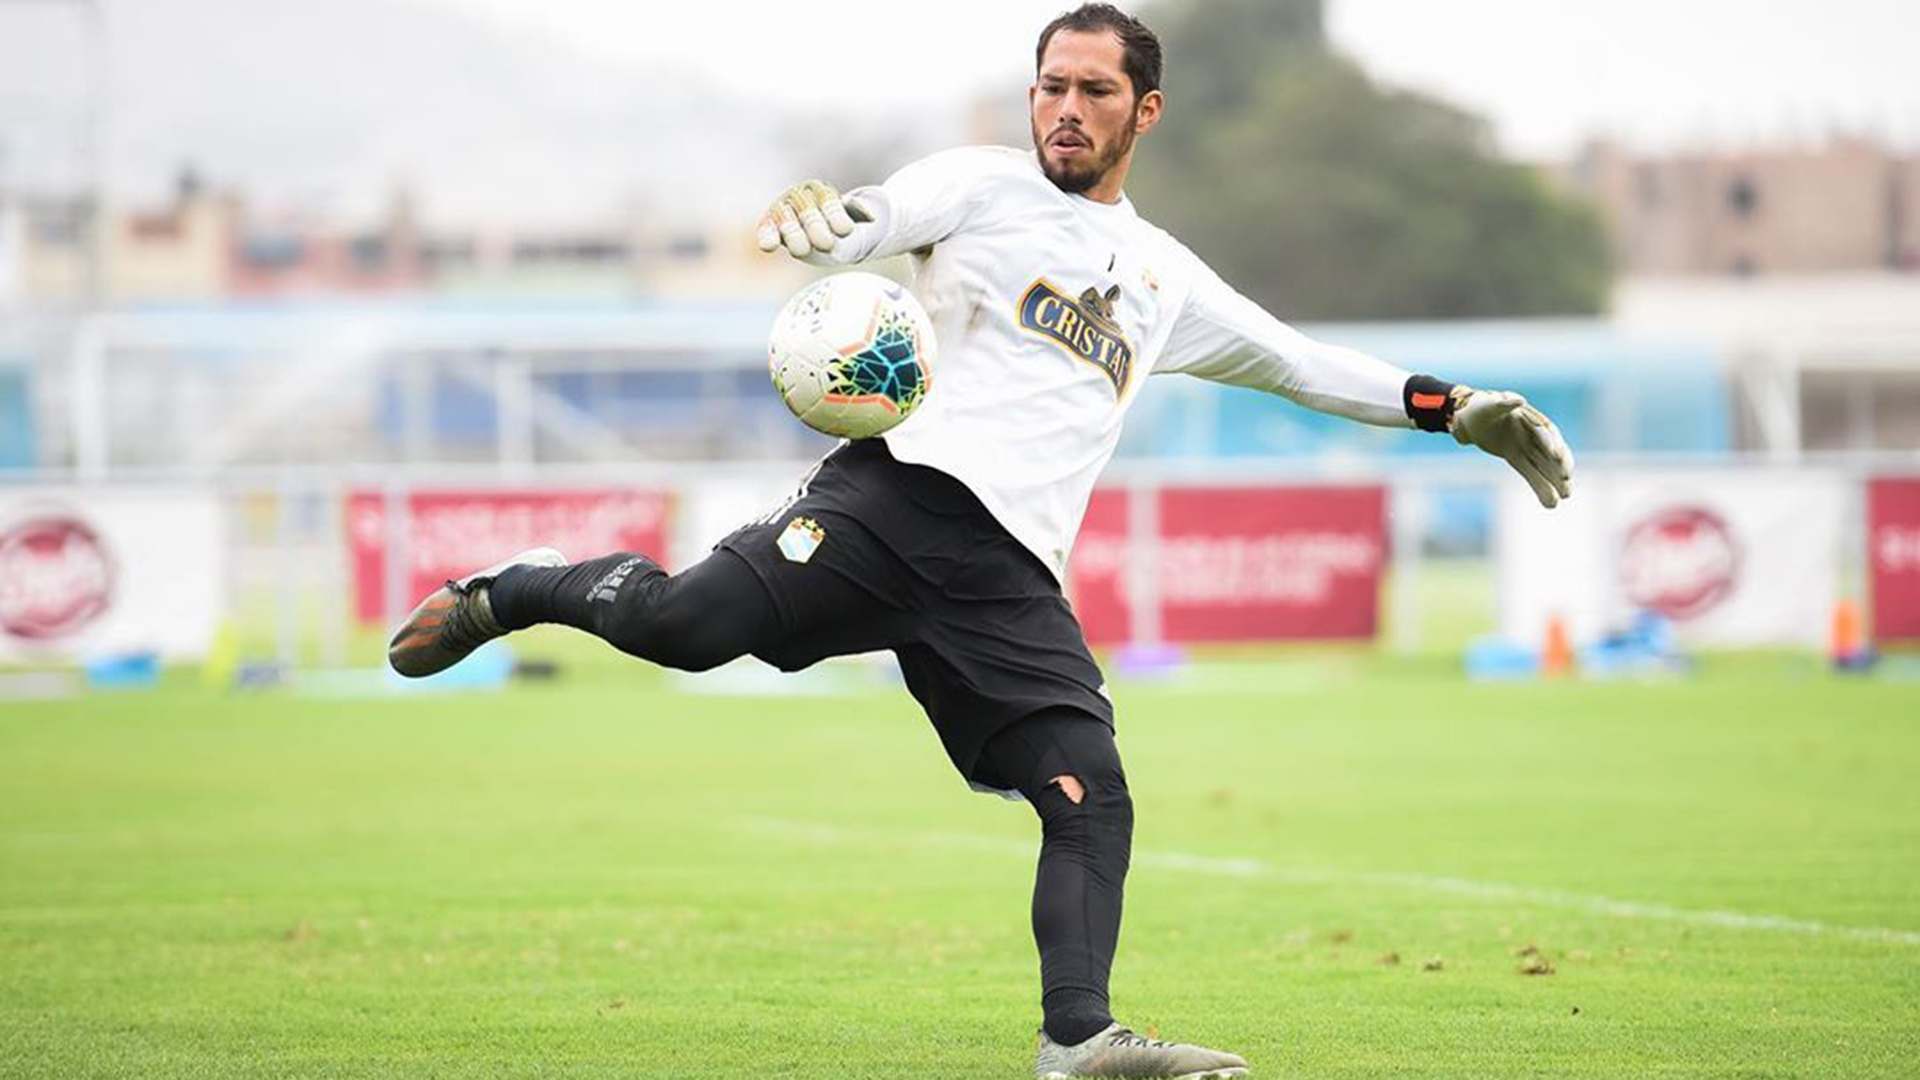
(1085, 115)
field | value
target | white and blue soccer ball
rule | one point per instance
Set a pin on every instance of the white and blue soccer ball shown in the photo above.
(852, 354)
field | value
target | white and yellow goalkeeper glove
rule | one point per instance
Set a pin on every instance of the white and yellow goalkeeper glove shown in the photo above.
(806, 218)
(1504, 425)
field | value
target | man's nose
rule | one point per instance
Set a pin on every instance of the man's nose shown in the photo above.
(1071, 103)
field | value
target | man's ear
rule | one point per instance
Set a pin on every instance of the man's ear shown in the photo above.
(1147, 113)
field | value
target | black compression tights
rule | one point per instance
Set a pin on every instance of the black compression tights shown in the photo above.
(718, 609)
(710, 613)
(1084, 852)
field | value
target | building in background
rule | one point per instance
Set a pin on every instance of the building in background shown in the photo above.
(1814, 362)
(206, 245)
(1798, 266)
(268, 259)
(1847, 205)
(44, 248)
(177, 252)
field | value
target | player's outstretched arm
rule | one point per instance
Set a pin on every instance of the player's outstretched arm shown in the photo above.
(1501, 423)
(1223, 336)
(808, 217)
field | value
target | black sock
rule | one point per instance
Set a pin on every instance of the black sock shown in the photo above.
(1073, 1015)
(524, 595)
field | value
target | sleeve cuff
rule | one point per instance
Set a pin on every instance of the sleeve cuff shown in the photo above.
(1429, 402)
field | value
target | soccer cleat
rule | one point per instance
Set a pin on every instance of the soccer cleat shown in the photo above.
(1118, 1052)
(455, 619)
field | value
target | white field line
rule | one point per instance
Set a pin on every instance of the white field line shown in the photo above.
(1258, 870)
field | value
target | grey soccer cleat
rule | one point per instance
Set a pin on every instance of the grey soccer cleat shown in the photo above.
(1118, 1052)
(456, 619)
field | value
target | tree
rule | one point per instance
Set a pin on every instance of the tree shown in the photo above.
(1325, 196)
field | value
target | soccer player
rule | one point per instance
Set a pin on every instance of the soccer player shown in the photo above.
(946, 539)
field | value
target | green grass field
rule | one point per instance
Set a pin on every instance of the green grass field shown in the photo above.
(611, 877)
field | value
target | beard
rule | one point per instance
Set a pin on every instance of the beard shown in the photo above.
(1077, 179)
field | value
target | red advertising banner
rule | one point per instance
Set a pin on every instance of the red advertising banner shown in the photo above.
(1893, 556)
(453, 533)
(1239, 564)
(1097, 570)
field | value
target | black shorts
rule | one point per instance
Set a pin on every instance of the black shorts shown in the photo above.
(982, 632)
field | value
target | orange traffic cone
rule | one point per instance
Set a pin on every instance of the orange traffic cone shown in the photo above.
(1845, 637)
(1556, 656)
(1846, 641)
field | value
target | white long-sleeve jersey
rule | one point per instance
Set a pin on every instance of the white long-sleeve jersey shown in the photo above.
(1050, 309)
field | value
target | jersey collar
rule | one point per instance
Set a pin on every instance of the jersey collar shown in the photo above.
(1120, 211)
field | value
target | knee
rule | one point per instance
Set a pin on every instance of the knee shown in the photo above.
(691, 654)
(672, 637)
(1099, 820)
(1114, 809)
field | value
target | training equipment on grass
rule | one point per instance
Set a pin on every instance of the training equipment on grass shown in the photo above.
(852, 354)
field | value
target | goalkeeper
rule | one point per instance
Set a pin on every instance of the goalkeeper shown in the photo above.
(946, 539)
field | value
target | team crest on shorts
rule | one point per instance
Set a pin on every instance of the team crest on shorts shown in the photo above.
(801, 539)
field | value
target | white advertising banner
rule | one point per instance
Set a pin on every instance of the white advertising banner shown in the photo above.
(710, 511)
(1732, 557)
(86, 572)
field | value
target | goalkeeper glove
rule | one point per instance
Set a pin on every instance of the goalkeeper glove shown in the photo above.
(806, 218)
(1504, 425)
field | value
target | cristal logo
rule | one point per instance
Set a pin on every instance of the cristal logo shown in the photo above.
(1679, 562)
(56, 578)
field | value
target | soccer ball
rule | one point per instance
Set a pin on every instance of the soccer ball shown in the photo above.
(852, 354)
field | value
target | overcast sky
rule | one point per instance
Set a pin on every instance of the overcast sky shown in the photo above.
(1548, 72)
(585, 110)
(1656, 72)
